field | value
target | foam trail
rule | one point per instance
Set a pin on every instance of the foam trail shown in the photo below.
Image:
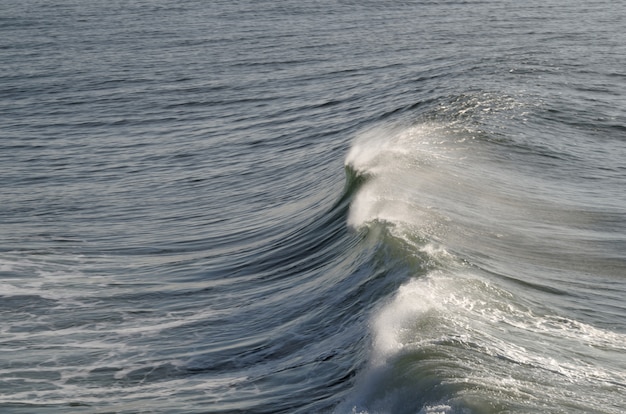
(454, 342)
(459, 339)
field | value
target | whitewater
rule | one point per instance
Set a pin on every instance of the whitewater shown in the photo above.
(327, 206)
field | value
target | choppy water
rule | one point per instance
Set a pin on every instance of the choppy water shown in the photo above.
(313, 206)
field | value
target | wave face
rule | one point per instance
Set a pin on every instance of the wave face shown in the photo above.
(312, 207)
(484, 323)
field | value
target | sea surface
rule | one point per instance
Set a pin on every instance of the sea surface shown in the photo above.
(312, 206)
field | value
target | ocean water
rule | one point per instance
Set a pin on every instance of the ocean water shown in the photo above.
(316, 206)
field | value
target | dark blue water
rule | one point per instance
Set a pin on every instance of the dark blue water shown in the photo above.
(312, 206)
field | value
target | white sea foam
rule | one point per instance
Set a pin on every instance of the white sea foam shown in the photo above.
(401, 163)
(436, 409)
(387, 148)
(116, 357)
(442, 197)
(495, 341)
(65, 342)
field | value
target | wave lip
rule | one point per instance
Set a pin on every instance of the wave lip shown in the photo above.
(453, 342)
(400, 165)
(457, 336)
